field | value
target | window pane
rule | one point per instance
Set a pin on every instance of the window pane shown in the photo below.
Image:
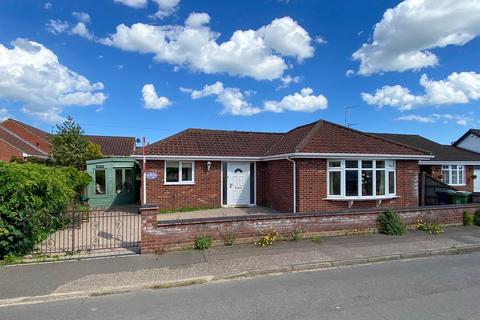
(334, 183)
(454, 177)
(100, 181)
(446, 176)
(351, 164)
(118, 180)
(391, 182)
(172, 171)
(351, 183)
(367, 164)
(127, 184)
(367, 182)
(454, 167)
(186, 171)
(390, 164)
(461, 175)
(380, 164)
(380, 180)
(334, 164)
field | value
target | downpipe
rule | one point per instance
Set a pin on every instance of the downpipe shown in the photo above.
(294, 184)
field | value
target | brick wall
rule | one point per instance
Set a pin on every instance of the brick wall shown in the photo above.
(27, 135)
(312, 187)
(7, 152)
(436, 172)
(276, 185)
(181, 234)
(206, 192)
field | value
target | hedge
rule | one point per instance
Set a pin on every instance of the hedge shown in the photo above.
(32, 200)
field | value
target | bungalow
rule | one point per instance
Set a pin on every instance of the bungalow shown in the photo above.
(20, 140)
(318, 166)
(452, 164)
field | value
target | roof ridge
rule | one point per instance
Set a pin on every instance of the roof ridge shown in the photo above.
(317, 125)
(378, 137)
(24, 141)
(237, 131)
(96, 135)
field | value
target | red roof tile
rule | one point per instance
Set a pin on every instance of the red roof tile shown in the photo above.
(317, 137)
(114, 145)
(18, 143)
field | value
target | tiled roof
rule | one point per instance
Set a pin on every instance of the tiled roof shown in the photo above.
(114, 145)
(198, 142)
(317, 137)
(18, 143)
(441, 152)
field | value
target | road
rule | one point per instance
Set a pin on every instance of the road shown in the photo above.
(434, 288)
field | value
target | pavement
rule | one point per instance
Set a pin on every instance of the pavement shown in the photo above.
(434, 288)
(33, 283)
(217, 212)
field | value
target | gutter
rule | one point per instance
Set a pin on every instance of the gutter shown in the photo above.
(294, 184)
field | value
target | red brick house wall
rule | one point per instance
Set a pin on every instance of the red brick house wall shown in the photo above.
(205, 193)
(277, 189)
(312, 187)
(436, 172)
(27, 135)
(7, 152)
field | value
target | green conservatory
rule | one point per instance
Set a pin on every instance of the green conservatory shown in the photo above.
(113, 182)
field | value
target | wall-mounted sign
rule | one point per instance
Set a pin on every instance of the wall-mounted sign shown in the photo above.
(151, 175)
(99, 166)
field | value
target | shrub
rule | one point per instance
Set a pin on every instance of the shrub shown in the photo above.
(32, 200)
(430, 228)
(296, 235)
(391, 223)
(317, 239)
(267, 239)
(476, 218)
(203, 242)
(467, 218)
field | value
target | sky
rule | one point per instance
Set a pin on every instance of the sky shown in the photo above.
(155, 67)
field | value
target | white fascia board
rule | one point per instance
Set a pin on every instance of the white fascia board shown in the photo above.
(437, 163)
(290, 155)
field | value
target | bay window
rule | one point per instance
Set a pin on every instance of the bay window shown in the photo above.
(367, 179)
(179, 172)
(453, 175)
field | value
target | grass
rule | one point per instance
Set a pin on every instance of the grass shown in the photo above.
(164, 211)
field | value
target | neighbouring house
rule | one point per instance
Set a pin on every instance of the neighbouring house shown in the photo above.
(451, 164)
(320, 166)
(18, 139)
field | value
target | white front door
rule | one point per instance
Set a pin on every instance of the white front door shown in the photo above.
(476, 182)
(238, 183)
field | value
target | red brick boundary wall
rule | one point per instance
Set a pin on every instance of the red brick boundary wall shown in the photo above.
(181, 234)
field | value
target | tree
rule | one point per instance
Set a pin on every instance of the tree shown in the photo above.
(70, 147)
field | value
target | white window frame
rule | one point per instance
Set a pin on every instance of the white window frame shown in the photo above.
(390, 166)
(180, 181)
(449, 169)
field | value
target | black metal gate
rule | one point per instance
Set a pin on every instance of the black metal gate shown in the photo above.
(94, 230)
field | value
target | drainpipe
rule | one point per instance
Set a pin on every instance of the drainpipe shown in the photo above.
(294, 184)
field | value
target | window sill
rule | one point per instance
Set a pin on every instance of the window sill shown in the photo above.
(361, 198)
(178, 183)
(457, 185)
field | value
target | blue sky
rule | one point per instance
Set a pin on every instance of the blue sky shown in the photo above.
(174, 64)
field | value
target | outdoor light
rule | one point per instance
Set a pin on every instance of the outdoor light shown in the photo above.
(209, 165)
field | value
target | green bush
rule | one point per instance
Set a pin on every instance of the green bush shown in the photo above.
(32, 200)
(391, 223)
(467, 218)
(476, 218)
(203, 242)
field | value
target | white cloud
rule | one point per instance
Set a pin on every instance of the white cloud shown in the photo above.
(350, 73)
(403, 38)
(151, 100)
(4, 114)
(31, 74)
(287, 81)
(235, 103)
(81, 16)
(133, 3)
(255, 53)
(47, 5)
(462, 120)
(304, 101)
(80, 29)
(458, 88)
(166, 7)
(320, 40)
(57, 26)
